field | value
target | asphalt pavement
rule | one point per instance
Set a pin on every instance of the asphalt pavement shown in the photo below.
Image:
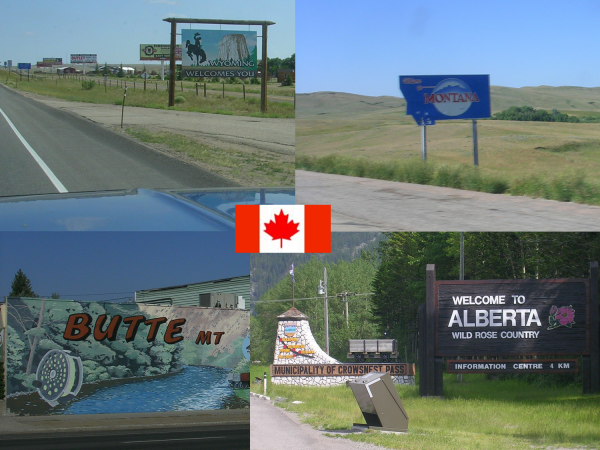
(46, 150)
(364, 204)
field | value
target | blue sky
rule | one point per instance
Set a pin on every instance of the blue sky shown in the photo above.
(31, 30)
(362, 47)
(116, 264)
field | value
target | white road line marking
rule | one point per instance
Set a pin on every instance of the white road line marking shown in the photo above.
(55, 181)
(178, 439)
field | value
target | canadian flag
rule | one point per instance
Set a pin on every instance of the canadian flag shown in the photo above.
(283, 229)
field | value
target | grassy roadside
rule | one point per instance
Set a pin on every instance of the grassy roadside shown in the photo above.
(349, 134)
(574, 186)
(248, 168)
(475, 414)
(71, 90)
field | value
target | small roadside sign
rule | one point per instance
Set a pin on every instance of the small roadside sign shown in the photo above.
(24, 66)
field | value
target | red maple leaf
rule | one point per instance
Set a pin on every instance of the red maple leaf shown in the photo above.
(282, 228)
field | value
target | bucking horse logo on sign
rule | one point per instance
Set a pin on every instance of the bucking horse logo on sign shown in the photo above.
(196, 49)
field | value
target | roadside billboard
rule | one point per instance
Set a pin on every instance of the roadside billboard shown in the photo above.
(158, 52)
(24, 66)
(446, 97)
(84, 58)
(67, 357)
(219, 53)
(52, 61)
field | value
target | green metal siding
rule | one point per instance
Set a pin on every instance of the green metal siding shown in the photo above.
(189, 295)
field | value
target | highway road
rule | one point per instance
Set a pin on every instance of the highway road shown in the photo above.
(363, 204)
(45, 150)
(217, 437)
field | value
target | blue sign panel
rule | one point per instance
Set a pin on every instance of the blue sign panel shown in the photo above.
(24, 66)
(446, 97)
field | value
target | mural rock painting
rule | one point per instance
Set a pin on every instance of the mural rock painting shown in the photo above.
(60, 353)
(300, 361)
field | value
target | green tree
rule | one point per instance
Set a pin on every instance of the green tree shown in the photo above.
(288, 81)
(21, 286)
(399, 284)
(354, 276)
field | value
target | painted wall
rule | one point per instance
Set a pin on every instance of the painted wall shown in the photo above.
(66, 357)
(2, 322)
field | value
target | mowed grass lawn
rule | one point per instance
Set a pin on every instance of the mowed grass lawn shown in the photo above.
(474, 414)
(529, 158)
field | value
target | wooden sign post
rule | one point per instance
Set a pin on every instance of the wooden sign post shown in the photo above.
(504, 318)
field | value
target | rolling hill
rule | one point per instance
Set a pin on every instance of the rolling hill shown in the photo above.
(377, 129)
(564, 98)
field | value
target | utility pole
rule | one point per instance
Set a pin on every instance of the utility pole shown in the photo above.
(346, 301)
(462, 256)
(461, 277)
(344, 296)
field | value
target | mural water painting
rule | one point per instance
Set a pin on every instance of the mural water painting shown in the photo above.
(87, 358)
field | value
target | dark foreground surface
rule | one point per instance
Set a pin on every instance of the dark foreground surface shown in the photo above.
(194, 437)
(208, 429)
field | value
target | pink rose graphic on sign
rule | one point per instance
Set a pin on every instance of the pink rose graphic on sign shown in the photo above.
(561, 317)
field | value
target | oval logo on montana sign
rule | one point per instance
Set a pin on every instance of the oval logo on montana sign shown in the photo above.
(452, 97)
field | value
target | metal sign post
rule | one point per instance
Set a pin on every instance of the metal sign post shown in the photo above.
(475, 154)
(424, 141)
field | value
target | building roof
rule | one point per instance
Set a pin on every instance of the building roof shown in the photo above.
(188, 294)
(292, 314)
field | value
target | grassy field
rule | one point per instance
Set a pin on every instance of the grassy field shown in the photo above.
(531, 158)
(248, 168)
(475, 414)
(71, 89)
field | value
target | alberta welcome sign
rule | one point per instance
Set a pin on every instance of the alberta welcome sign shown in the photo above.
(505, 319)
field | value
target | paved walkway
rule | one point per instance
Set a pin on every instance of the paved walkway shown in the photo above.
(273, 428)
